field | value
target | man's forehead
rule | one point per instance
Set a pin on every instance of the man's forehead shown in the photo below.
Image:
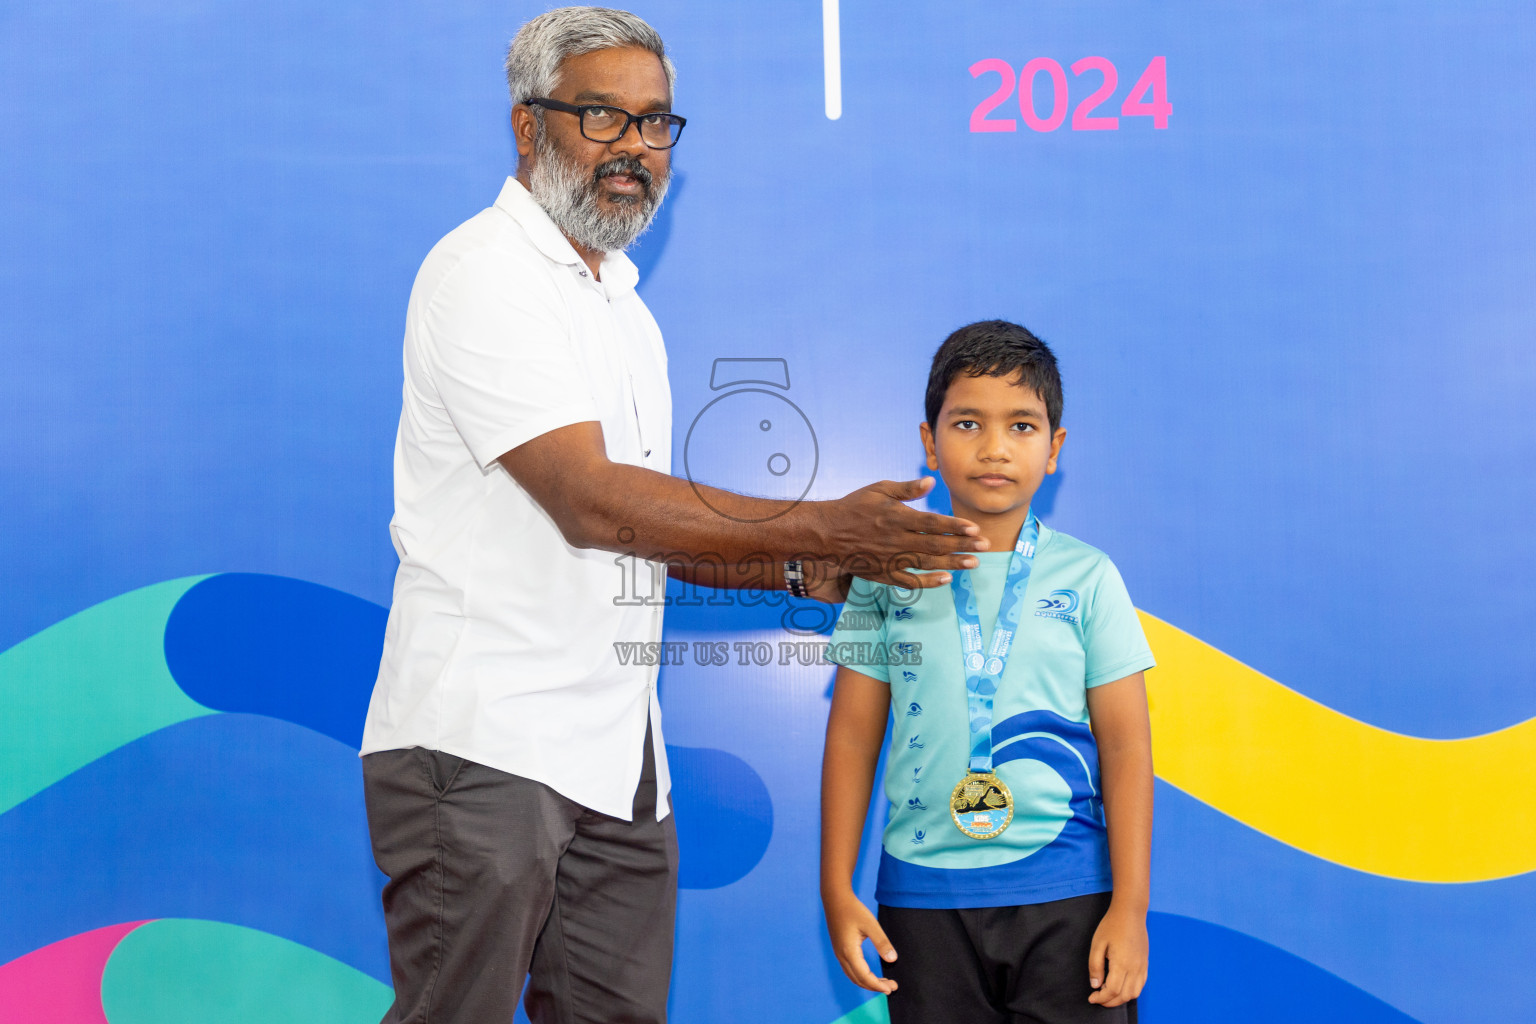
(616, 75)
(596, 96)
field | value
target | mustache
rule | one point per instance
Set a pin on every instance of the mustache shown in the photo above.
(623, 165)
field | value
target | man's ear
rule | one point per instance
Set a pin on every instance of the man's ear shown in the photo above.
(926, 432)
(525, 128)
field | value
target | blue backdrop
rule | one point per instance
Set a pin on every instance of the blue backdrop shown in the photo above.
(1294, 327)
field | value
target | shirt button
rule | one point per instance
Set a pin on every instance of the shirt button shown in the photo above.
(583, 273)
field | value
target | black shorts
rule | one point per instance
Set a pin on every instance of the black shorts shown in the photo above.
(997, 965)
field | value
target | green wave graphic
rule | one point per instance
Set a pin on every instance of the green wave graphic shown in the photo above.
(871, 1012)
(87, 685)
(176, 971)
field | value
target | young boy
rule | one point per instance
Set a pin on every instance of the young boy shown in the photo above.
(1013, 878)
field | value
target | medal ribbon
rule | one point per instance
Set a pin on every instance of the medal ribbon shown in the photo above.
(983, 671)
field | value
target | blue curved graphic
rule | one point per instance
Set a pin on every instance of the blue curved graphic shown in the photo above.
(1206, 974)
(269, 645)
(307, 654)
(724, 816)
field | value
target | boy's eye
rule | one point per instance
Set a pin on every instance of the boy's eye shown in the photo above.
(965, 424)
(1022, 427)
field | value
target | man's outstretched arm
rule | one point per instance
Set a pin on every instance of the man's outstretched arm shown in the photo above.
(597, 503)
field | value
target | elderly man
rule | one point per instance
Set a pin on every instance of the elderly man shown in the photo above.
(515, 776)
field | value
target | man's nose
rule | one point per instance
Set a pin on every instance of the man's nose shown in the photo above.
(630, 143)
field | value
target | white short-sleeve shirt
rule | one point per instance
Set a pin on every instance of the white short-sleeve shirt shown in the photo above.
(500, 643)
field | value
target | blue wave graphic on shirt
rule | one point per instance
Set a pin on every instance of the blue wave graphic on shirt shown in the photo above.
(1079, 852)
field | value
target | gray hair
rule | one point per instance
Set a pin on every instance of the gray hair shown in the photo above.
(533, 59)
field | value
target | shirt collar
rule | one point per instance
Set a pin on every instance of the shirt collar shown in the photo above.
(1046, 533)
(618, 270)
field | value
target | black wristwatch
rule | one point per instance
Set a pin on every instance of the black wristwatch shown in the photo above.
(794, 578)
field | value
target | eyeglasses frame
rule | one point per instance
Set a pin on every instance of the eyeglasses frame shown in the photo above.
(630, 119)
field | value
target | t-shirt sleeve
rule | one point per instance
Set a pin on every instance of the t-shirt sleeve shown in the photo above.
(1115, 644)
(861, 628)
(498, 347)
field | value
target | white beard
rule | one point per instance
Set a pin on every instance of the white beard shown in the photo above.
(572, 198)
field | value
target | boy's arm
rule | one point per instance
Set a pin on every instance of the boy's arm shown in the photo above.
(1118, 714)
(855, 732)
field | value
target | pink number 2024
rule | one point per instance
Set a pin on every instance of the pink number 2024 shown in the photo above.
(1147, 98)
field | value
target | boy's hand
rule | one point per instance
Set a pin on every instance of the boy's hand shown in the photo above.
(849, 923)
(1120, 939)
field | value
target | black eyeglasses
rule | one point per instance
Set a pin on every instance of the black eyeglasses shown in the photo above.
(608, 124)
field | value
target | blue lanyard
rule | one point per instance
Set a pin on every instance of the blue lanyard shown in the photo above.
(982, 672)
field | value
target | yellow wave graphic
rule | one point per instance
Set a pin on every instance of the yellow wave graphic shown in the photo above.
(1424, 810)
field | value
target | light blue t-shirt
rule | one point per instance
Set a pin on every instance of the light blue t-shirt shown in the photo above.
(1077, 630)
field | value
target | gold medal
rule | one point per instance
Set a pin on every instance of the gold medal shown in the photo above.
(981, 805)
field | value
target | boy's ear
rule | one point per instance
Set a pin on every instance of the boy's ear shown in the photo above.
(927, 434)
(1056, 439)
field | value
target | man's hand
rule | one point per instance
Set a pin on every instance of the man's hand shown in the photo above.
(1121, 940)
(874, 534)
(849, 923)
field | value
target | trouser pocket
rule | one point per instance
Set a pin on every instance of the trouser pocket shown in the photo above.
(442, 770)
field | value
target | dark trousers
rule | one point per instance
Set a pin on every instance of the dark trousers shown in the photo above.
(496, 879)
(997, 965)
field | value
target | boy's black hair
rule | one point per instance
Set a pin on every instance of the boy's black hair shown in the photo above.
(995, 348)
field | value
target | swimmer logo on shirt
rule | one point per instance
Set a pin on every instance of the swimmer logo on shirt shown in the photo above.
(1059, 604)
